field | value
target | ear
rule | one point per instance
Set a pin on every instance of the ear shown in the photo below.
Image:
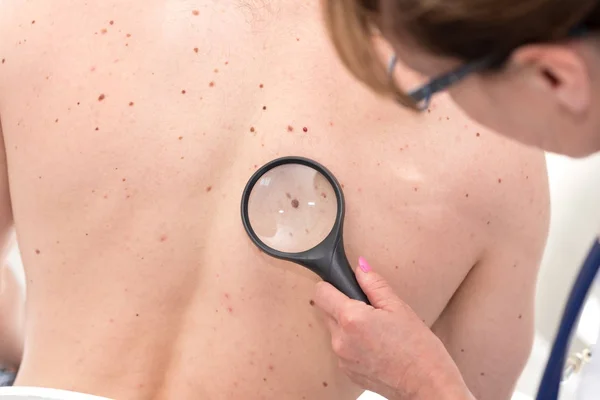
(558, 70)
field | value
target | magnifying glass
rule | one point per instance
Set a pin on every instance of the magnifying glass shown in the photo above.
(293, 210)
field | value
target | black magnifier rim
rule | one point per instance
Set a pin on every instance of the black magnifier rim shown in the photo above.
(339, 194)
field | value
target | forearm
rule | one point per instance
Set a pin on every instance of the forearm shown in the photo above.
(434, 376)
(439, 390)
(446, 390)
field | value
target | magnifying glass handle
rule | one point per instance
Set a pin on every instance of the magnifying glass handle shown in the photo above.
(342, 276)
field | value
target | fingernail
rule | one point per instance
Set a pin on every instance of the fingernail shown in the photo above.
(364, 265)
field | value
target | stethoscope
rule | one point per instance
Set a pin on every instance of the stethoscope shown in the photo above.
(293, 209)
(550, 384)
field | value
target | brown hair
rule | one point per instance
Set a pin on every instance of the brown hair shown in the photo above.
(464, 29)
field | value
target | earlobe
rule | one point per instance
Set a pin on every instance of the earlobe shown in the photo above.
(559, 70)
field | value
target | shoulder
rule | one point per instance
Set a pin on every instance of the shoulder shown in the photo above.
(507, 182)
(508, 178)
(513, 206)
(517, 178)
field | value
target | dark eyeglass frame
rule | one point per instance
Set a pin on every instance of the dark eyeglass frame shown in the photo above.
(422, 95)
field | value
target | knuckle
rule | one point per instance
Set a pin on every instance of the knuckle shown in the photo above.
(338, 346)
(351, 318)
(379, 284)
(347, 319)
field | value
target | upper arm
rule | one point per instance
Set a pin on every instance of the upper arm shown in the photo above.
(12, 303)
(6, 215)
(11, 294)
(488, 325)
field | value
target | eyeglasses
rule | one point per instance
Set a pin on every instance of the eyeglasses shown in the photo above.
(422, 95)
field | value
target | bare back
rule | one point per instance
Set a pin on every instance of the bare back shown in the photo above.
(130, 130)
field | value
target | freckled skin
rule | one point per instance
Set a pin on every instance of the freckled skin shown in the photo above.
(189, 190)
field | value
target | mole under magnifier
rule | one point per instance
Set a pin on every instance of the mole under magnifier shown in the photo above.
(293, 210)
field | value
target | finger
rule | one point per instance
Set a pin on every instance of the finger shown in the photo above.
(330, 300)
(334, 330)
(380, 293)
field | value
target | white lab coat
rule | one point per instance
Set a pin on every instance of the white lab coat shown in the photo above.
(589, 388)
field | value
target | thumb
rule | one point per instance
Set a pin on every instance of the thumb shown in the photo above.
(379, 292)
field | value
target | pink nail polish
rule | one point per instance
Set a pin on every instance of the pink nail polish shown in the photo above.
(364, 265)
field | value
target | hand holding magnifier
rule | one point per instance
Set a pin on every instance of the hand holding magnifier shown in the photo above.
(293, 209)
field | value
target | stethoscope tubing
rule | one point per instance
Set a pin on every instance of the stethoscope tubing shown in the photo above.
(550, 383)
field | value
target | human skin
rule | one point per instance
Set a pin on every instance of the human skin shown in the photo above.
(126, 153)
(12, 302)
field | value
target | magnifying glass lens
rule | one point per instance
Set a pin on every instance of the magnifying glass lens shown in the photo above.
(292, 208)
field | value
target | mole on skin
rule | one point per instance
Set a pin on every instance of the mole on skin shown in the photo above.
(295, 203)
(208, 188)
(290, 128)
(101, 97)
